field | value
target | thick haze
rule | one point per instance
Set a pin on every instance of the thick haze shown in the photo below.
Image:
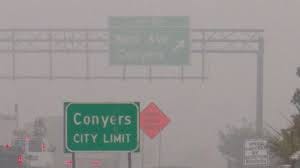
(197, 109)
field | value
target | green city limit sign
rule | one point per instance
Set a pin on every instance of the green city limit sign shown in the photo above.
(101, 127)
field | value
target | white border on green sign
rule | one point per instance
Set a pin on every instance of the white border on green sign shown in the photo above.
(95, 151)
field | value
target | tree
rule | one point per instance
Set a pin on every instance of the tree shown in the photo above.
(288, 141)
(282, 145)
(232, 141)
(296, 99)
(296, 96)
(20, 133)
(39, 127)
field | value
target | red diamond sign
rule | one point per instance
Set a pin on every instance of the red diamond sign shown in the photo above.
(153, 120)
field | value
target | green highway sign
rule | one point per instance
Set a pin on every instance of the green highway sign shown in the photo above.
(149, 40)
(100, 127)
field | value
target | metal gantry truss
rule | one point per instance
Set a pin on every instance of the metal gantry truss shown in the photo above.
(87, 42)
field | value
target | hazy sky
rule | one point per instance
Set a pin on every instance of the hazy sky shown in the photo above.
(197, 109)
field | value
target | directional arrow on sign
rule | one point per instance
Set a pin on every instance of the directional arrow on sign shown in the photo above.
(153, 120)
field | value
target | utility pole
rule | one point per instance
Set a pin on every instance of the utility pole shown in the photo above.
(259, 88)
(17, 115)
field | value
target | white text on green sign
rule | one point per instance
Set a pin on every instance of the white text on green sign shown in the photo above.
(102, 127)
(149, 40)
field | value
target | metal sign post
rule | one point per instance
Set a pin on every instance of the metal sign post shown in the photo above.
(129, 160)
(153, 121)
(73, 160)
